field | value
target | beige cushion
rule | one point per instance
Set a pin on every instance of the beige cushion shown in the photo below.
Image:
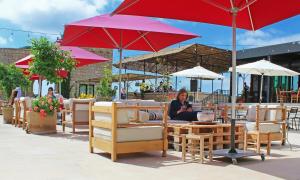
(122, 114)
(143, 133)
(27, 101)
(273, 115)
(67, 103)
(143, 116)
(251, 114)
(263, 127)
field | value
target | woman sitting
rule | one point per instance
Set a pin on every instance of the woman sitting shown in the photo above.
(180, 109)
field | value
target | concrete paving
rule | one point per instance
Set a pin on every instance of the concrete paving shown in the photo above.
(65, 156)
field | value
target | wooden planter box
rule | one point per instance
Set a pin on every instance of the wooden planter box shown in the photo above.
(8, 113)
(38, 125)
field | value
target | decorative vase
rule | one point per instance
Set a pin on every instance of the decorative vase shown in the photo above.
(8, 113)
(38, 124)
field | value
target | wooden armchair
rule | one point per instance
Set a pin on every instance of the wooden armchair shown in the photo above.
(112, 132)
(281, 98)
(271, 127)
(295, 97)
(77, 115)
(16, 106)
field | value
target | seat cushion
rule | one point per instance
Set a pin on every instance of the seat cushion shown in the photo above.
(141, 133)
(263, 127)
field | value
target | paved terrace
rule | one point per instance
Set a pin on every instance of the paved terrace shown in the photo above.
(65, 156)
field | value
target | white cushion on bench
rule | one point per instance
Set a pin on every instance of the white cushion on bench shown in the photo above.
(122, 114)
(140, 133)
(263, 127)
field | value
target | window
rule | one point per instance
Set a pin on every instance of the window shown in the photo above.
(87, 89)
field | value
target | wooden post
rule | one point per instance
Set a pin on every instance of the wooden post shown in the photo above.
(183, 147)
(257, 118)
(91, 128)
(283, 118)
(114, 132)
(165, 130)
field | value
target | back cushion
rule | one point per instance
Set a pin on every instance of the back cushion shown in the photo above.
(251, 115)
(274, 115)
(122, 114)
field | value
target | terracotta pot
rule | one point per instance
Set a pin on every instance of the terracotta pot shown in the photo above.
(8, 113)
(41, 125)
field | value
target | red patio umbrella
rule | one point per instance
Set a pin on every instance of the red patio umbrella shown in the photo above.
(61, 73)
(245, 14)
(83, 57)
(123, 32)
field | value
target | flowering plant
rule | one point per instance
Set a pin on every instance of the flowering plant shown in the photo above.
(85, 96)
(45, 105)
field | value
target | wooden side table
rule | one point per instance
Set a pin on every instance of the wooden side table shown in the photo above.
(197, 144)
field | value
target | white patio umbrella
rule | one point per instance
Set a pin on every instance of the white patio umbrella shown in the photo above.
(264, 68)
(198, 72)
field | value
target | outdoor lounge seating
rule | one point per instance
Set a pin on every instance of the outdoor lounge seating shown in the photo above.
(265, 124)
(25, 104)
(77, 115)
(112, 129)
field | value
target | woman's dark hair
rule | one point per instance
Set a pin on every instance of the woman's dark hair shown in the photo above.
(13, 95)
(181, 91)
(50, 88)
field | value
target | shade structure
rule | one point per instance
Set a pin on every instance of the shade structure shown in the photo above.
(246, 14)
(123, 32)
(82, 56)
(198, 72)
(264, 68)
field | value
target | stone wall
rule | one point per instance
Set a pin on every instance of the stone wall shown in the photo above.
(11, 55)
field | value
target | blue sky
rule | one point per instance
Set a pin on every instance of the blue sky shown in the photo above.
(49, 16)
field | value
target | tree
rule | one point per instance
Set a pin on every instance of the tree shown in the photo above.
(66, 87)
(104, 89)
(12, 77)
(48, 59)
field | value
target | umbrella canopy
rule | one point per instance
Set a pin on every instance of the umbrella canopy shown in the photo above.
(252, 14)
(123, 32)
(198, 72)
(83, 57)
(61, 73)
(264, 67)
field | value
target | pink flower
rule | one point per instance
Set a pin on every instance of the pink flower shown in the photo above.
(51, 108)
(30, 109)
(50, 100)
(61, 100)
(36, 108)
(42, 113)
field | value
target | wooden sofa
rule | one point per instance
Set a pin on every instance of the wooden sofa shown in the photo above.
(269, 126)
(77, 115)
(112, 131)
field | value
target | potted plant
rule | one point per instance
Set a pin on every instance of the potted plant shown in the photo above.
(10, 78)
(104, 89)
(42, 116)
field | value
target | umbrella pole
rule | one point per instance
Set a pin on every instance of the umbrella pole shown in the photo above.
(120, 71)
(40, 86)
(261, 87)
(233, 97)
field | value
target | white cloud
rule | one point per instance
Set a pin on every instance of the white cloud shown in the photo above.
(5, 41)
(49, 15)
(265, 38)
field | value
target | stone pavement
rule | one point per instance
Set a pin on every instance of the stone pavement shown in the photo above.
(65, 156)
